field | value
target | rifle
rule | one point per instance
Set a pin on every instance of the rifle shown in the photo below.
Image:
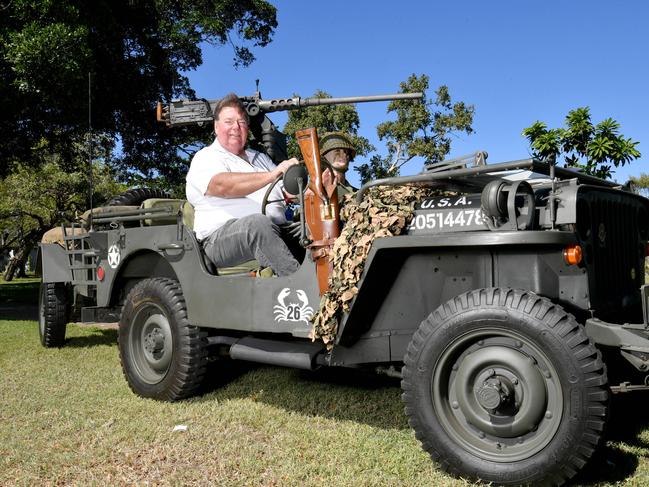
(265, 135)
(321, 211)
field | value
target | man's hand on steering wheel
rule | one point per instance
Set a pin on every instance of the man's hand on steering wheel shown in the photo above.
(282, 167)
(279, 172)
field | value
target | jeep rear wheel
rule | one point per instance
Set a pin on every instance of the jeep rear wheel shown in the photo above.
(163, 356)
(504, 386)
(53, 307)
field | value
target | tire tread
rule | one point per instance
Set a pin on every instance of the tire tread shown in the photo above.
(553, 318)
(134, 197)
(191, 361)
(55, 314)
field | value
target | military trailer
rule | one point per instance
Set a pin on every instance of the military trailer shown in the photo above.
(511, 309)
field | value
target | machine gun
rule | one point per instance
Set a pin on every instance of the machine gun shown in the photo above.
(265, 136)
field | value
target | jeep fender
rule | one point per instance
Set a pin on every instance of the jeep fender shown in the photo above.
(407, 277)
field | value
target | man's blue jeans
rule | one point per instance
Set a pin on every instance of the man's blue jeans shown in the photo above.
(251, 237)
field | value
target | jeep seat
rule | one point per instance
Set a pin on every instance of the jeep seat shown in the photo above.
(188, 220)
(82, 224)
(174, 205)
(98, 211)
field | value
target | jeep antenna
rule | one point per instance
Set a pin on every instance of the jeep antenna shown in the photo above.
(90, 187)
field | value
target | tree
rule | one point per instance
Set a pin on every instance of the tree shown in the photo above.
(595, 149)
(326, 118)
(422, 129)
(135, 52)
(640, 184)
(33, 200)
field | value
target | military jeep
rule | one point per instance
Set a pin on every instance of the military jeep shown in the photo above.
(500, 307)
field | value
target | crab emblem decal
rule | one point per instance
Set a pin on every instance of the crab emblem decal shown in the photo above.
(293, 311)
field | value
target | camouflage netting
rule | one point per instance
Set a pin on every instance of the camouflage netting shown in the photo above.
(384, 212)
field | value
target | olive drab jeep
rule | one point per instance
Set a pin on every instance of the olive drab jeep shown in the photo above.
(508, 291)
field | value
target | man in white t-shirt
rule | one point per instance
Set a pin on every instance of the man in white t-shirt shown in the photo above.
(226, 184)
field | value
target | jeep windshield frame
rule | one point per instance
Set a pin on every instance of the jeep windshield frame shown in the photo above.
(534, 165)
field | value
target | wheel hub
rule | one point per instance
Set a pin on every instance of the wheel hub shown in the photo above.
(494, 394)
(491, 396)
(497, 394)
(154, 341)
(151, 344)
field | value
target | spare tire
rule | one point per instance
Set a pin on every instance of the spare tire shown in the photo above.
(135, 197)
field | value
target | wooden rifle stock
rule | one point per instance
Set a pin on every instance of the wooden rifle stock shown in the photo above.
(321, 211)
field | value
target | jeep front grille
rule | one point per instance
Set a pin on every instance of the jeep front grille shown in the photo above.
(612, 230)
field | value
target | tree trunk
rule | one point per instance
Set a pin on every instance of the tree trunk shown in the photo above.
(16, 265)
(20, 268)
(11, 268)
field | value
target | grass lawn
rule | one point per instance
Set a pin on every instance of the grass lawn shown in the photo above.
(68, 417)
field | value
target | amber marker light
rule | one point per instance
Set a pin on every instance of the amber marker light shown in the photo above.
(572, 254)
(100, 273)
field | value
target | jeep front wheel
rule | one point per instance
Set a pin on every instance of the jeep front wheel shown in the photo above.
(504, 386)
(163, 356)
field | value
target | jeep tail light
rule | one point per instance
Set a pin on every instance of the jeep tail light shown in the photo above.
(100, 273)
(572, 254)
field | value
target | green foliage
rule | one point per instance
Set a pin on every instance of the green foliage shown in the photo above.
(134, 51)
(421, 129)
(640, 184)
(378, 167)
(595, 149)
(35, 199)
(326, 118)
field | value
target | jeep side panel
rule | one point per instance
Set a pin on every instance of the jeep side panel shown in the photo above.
(408, 282)
(232, 302)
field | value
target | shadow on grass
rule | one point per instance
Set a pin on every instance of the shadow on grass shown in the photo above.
(613, 463)
(340, 394)
(19, 299)
(366, 398)
(100, 337)
(18, 312)
(609, 465)
(19, 291)
(629, 419)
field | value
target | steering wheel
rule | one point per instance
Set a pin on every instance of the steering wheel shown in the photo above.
(290, 178)
(265, 202)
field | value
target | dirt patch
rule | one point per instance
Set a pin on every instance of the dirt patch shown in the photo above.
(107, 326)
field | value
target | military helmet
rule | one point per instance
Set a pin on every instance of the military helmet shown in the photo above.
(337, 140)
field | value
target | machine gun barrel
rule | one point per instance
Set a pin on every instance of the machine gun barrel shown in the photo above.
(298, 102)
(189, 112)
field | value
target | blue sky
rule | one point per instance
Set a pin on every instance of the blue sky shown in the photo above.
(515, 61)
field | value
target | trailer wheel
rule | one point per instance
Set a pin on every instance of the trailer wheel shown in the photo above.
(504, 386)
(163, 356)
(135, 197)
(53, 308)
